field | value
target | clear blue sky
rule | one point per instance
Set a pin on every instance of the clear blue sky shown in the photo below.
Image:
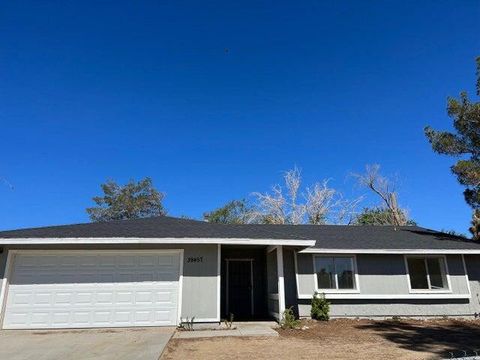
(127, 89)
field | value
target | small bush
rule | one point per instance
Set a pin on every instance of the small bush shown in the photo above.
(320, 307)
(187, 325)
(288, 319)
(229, 322)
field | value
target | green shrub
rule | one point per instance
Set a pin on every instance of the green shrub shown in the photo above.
(320, 307)
(288, 319)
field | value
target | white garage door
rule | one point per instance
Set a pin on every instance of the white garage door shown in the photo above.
(93, 289)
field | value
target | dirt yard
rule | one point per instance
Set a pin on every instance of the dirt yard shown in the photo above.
(341, 339)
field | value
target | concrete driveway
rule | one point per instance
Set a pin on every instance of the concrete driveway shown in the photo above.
(99, 344)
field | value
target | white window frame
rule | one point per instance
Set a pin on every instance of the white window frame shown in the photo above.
(353, 259)
(448, 290)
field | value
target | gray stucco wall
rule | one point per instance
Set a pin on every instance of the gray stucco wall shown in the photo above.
(386, 275)
(289, 279)
(199, 291)
(389, 308)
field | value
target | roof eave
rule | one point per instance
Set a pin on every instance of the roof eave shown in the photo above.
(313, 250)
(129, 240)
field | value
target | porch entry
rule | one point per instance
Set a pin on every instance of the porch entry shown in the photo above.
(239, 299)
(252, 286)
(243, 282)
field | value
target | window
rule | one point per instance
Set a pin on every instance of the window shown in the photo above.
(335, 272)
(427, 273)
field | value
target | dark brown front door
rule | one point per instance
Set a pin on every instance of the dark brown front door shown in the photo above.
(240, 290)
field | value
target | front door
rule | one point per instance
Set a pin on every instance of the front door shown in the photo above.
(239, 288)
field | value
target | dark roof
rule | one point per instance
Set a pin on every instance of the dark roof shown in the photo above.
(327, 236)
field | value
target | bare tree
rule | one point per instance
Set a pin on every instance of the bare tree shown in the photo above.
(385, 189)
(318, 205)
(327, 205)
(271, 208)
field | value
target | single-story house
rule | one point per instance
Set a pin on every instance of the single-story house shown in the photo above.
(159, 271)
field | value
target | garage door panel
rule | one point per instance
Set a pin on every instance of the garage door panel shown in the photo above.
(77, 290)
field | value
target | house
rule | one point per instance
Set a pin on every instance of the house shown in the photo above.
(157, 271)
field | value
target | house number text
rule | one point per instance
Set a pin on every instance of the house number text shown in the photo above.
(194, 259)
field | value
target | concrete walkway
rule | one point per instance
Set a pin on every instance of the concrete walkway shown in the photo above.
(241, 329)
(98, 344)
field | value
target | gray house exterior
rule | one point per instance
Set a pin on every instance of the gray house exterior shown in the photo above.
(159, 271)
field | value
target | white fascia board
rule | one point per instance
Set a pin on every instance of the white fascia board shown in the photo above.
(389, 251)
(388, 296)
(200, 241)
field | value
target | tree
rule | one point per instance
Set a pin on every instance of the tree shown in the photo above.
(316, 205)
(463, 143)
(389, 211)
(131, 201)
(475, 228)
(234, 212)
(378, 216)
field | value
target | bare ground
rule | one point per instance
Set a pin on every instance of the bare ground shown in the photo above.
(341, 339)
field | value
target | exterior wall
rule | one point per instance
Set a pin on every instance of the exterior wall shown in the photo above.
(290, 280)
(389, 308)
(378, 275)
(386, 275)
(472, 263)
(200, 286)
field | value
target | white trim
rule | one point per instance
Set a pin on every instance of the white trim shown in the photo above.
(388, 251)
(219, 267)
(281, 281)
(93, 251)
(180, 288)
(271, 248)
(389, 296)
(127, 240)
(13, 253)
(466, 275)
(353, 259)
(448, 290)
(295, 265)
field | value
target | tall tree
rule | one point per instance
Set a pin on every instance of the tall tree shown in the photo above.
(390, 211)
(131, 201)
(379, 216)
(234, 212)
(463, 143)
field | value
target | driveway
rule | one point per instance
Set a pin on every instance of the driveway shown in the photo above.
(99, 344)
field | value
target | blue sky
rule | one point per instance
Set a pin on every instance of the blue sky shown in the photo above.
(215, 99)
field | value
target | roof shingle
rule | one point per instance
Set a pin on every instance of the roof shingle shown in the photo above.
(326, 236)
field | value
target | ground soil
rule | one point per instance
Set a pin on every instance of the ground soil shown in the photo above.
(341, 339)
